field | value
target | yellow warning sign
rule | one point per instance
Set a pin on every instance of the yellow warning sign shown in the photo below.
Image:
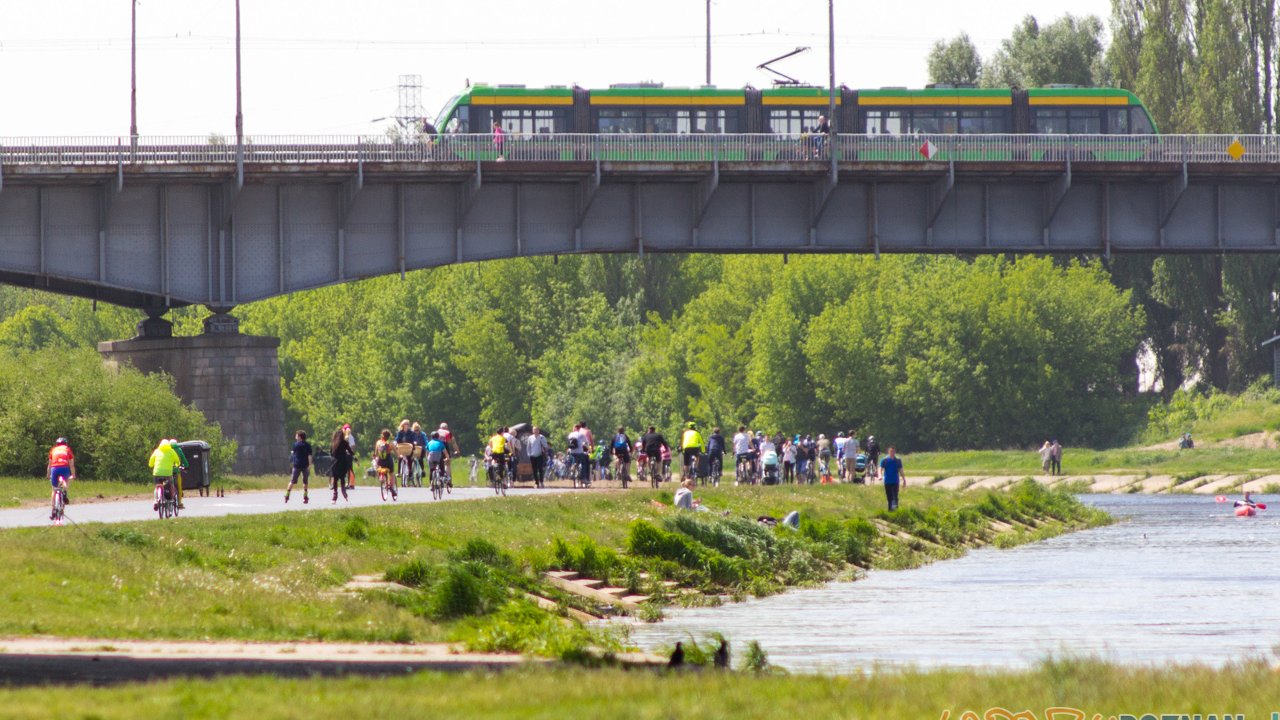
(1235, 149)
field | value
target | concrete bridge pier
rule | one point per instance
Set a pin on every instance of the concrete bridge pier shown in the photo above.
(233, 379)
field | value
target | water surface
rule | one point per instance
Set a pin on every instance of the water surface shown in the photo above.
(1176, 579)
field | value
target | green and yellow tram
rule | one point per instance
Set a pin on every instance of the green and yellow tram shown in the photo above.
(651, 109)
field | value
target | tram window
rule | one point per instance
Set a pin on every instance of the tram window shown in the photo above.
(792, 121)
(986, 121)
(708, 121)
(1117, 121)
(527, 121)
(1141, 124)
(620, 121)
(884, 122)
(1046, 121)
(660, 121)
(1084, 122)
(934, 122)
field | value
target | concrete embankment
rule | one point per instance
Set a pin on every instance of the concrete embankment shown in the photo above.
(1119, 483)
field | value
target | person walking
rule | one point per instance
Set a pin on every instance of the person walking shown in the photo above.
(1055, 458)
(350, 437)
(1046, 456)
(300, 460)
(891, 472)
(499, 139)
(343, 458)
(537, 448)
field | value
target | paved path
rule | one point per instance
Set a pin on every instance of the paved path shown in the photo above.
(245, 503)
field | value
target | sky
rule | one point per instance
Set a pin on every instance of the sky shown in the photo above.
(320, 67)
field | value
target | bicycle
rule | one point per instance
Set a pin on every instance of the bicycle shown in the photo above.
(59, 503)
(166, 505)
(690, 470)
(744, 473)
(387, 484)
(409, 465)
(715, 469)
(498, 478)
(437, 483)
(655, 473)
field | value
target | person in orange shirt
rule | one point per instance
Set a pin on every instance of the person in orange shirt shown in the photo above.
(62, 466)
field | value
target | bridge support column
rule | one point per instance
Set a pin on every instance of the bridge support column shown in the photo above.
(233, 379)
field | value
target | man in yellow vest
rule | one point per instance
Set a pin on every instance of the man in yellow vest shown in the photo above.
(164, 462)
(692, 445)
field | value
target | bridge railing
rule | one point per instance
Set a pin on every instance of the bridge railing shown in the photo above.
(655, 148)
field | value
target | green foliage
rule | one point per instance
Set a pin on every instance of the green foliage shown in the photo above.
(113, 419)
(521, 627)
(1064, 51)
(647, 540)
(463, 590)
(586, 557)
(756, 659)
(955, 61)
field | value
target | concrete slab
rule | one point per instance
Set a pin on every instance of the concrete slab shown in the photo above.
(1155, 484)
(1257, 485)
(1111, 483)
(955, 482)
(994, 482)
(1219, 485)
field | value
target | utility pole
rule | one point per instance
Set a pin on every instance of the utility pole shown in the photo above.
(133, 75)
(239, 110)
(708, 42)
(831, 97)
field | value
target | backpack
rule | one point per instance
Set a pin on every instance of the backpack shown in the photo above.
(621, 442)
(573, 441)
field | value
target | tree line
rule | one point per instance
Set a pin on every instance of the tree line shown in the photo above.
(1199, 66)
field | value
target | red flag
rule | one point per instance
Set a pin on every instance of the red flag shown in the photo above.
(928, 150)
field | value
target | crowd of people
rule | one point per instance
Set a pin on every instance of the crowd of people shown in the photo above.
(410, 445)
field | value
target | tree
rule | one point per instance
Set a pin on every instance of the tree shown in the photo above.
(956, 61)
(1066, 51)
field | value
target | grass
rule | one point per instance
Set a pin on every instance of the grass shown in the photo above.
(1083, 461)
(273, 577)
(1094, 688)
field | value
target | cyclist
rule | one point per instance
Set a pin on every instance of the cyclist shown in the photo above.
(691, 447)
(451, 444)
(300, 461)
(622, 451)
(182, 467)
(163, 463)
(824, 454)
(873, 457)
(654, 445)
(496, 450)
(642, 460)
(742, 449)
(579, 452)
(384, 458)
(61, 468)
(437, 455)
(408, 435)
(715, 454)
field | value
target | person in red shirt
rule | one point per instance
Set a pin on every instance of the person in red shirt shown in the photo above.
(62, 466)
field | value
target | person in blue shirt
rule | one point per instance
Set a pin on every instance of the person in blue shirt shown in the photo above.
(891, 466)
(437, 454)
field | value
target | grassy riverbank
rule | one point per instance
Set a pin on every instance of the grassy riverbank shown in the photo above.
(1083, 461)
(275, 577)
(1095, 689)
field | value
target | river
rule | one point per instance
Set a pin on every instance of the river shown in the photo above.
(1176, 579)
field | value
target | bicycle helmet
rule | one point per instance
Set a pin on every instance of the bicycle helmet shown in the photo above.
(444, 426)
(691, 425)
(840, 434)
(60, 441)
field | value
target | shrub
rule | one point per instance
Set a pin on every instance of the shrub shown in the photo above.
(415, 573)
(587, 557)
(113, 419)
(647, 540)
(465, 589)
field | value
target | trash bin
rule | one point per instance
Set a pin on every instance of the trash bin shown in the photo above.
(196, 476)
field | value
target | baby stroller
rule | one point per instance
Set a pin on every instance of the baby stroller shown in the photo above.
(770, 462)
(860, 468)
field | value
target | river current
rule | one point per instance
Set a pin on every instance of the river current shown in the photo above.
(1177, 578)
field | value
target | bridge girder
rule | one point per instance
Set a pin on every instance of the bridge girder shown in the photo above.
(180, 235)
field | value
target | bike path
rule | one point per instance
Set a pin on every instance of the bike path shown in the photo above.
(259, 502)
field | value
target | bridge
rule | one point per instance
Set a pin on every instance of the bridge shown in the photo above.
(156, 223)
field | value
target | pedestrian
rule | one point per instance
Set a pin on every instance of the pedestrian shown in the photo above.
(350, 438)
(891, 467)
(343, 458)
(1046, 453)
(1055, 458)
(300, 461)
(499, 139)
(537, 447)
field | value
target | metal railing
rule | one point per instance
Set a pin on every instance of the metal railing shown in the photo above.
(757, 148)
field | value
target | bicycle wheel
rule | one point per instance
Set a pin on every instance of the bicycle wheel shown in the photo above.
(383, 482)
(58, 507)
